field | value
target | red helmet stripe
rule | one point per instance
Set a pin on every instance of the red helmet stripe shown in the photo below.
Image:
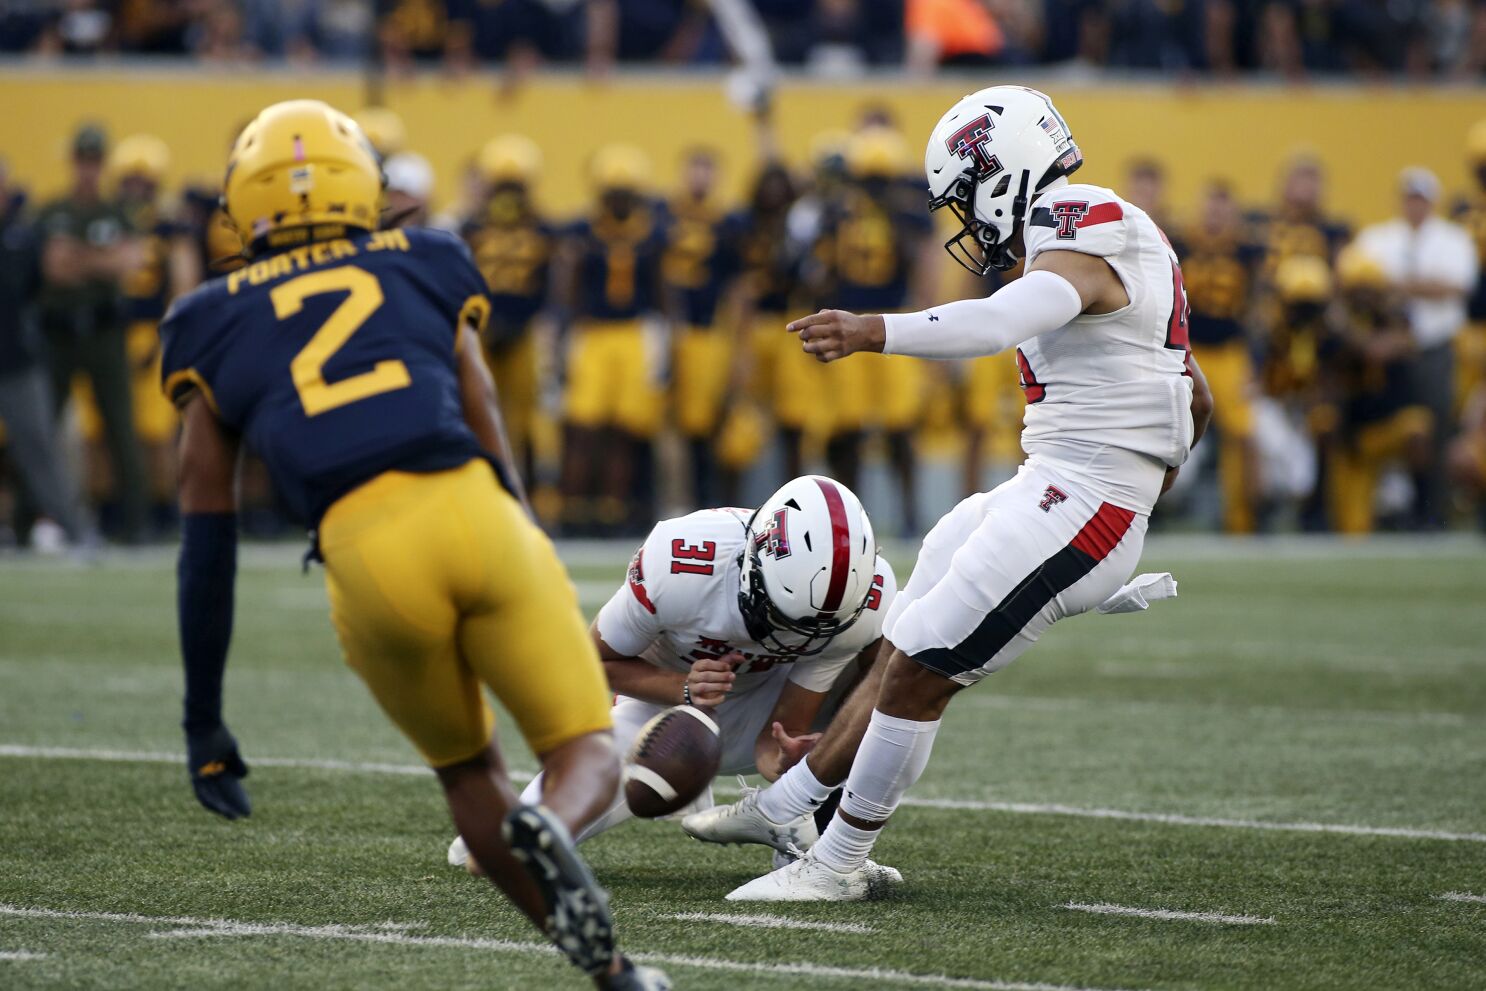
(840, 545)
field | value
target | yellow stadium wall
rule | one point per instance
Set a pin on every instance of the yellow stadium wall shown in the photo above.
(1364, 135)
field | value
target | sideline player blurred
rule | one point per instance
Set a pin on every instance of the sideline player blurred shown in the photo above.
(1365, 364)
(698, 269)
(348, 359)
(613, 405)
(873, 253)
(169, 268)
(1114, 403)
(1220, 267)
(764, 619)
(513, 245)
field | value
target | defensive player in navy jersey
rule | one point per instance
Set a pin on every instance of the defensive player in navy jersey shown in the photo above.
(349, 360)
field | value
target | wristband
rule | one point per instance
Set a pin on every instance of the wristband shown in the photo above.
(686, 693)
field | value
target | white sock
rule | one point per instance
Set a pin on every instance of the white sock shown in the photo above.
(893, 755)
(844, 847)
(797, 792)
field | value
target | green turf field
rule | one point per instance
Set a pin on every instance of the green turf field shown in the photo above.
(1299, 740)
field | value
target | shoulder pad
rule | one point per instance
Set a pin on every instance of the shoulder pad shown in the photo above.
(1082, 218)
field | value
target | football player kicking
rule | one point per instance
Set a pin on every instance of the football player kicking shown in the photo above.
(348, 359)
(1114, 404)
(756, 617)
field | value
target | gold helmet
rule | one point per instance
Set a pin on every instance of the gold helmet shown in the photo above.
(140, 155)
(876, 153)
(299, 164)
(383, 128)
(1356, 269)
(1303, 279)
(510, 158)
(620, 166)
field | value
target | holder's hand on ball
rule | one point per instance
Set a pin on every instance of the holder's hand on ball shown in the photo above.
(833, 334)
(711, 680)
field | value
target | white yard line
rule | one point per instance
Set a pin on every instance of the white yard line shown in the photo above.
(1168, 915)
(173, 927)
(772, 922)
(21, 955)
(1069, 703)
(1172, 819)
(972, 805)
(1461, 896)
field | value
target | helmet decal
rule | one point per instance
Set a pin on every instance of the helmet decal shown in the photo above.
(970, 141)
(774, 540)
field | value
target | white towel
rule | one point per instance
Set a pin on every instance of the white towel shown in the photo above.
(1137, 594)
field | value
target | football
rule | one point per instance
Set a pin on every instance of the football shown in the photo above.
(675, 757)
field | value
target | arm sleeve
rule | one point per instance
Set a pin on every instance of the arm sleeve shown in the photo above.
(630, 622)
(1034, 304)
(206, 572)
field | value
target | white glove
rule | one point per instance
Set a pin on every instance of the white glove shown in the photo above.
(1137, 594)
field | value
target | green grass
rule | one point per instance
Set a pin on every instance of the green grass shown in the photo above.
(1293, 684)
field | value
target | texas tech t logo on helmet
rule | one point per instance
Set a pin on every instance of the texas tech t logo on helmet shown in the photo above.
(1068, 214)
(970, 141)
(774, 539)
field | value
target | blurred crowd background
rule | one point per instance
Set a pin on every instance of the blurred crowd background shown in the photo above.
(646, 245)
(1289, 37)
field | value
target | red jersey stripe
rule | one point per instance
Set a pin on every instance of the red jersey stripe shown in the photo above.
(1101, 213)
(637, 581)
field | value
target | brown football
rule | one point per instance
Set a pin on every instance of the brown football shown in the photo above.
(675, 757)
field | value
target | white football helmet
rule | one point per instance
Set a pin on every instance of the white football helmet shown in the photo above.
(987, 157)
(808, 566)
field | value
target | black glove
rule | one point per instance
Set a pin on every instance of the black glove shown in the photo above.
(217, 770)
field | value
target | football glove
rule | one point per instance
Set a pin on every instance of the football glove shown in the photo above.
(217, 770)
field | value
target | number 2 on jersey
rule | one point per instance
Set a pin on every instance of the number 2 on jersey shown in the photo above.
(308, 367)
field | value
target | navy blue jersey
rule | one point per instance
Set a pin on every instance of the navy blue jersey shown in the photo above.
(869, 248)
(619, 264)
(700, 261)
(767, 259)
(335, 361)
(516, 261)
(1220, 274)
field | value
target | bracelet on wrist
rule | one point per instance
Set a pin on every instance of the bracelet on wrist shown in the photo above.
(686, 693)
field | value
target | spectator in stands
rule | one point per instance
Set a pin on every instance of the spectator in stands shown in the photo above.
(952, 32)
(25, 395)
(88, 249)
(1432, 263)
(1155, 35)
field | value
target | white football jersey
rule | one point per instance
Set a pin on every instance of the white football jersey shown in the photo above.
(1108, 400)
(679, 604)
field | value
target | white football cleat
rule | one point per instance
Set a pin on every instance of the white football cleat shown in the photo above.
(808, 880)
(459, 853)
(743, 822)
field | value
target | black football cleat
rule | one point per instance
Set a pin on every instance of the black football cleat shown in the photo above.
(578, 919)
(633, 978)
